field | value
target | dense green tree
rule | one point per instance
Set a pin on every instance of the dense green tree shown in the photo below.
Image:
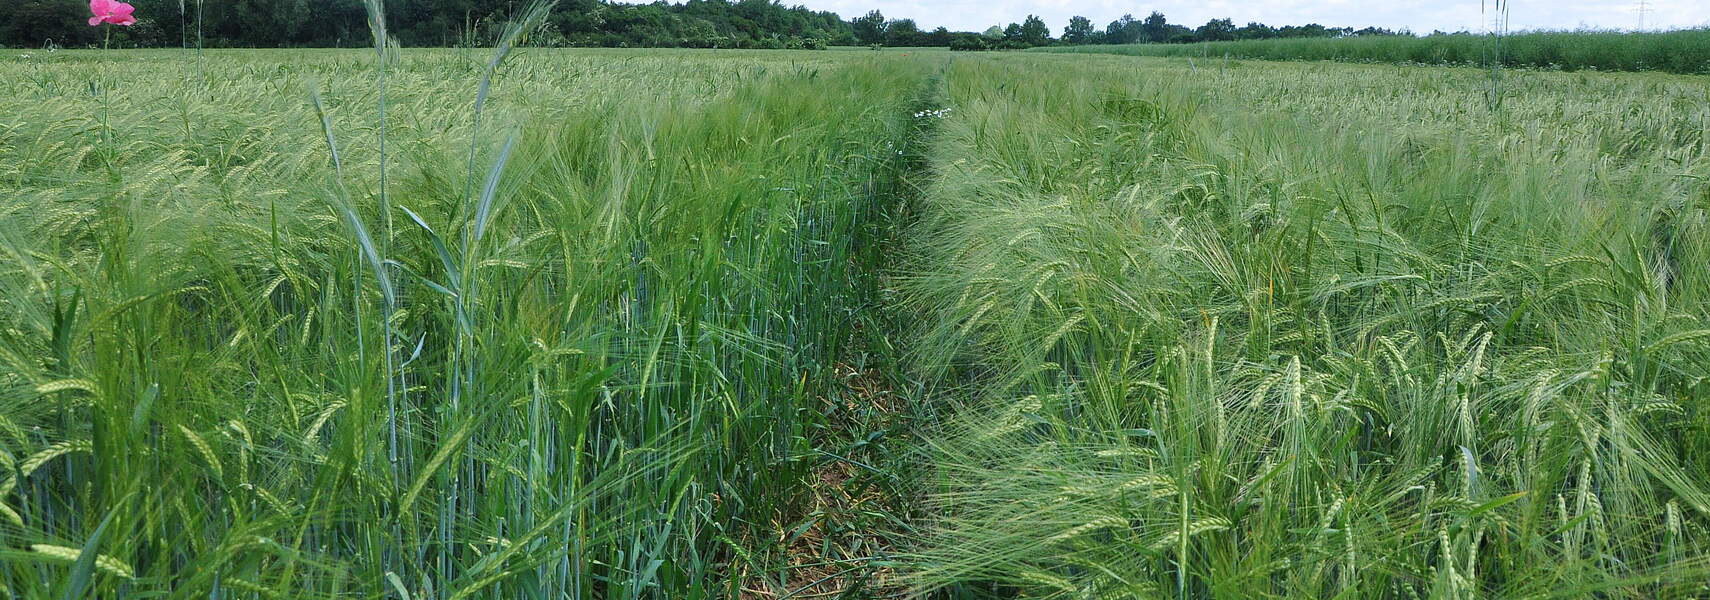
(1303, 31)
(1255, 31)
(902, 32)
(278, 22)
(1216, 30)
(938, 37)
(1079, 31)
(969, 41)
(40, 22)
(1375, 31)
(1034, 31)
(871, 28)
(1156, 28)
(1123, 31)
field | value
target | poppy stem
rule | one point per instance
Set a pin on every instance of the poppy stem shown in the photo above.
(106, 130)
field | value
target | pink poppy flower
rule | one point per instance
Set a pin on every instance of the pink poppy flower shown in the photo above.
(111, 11)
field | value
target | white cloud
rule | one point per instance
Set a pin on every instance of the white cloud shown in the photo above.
(1418, 15)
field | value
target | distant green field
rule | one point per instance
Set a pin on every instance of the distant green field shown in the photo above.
(797, 324)
(1686, 51)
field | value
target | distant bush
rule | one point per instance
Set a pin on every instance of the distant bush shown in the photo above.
(968, 42)
(1683, 51)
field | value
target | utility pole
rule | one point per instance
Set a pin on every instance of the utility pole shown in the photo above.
(1644, 7)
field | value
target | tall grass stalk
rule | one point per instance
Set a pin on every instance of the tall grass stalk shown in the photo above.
(1498, 25)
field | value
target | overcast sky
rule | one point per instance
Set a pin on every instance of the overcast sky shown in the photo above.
(1422, 16)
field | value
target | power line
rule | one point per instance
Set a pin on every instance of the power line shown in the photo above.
(1644, 7)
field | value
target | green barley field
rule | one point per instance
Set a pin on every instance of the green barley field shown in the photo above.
(1679, 51)
(603, 324)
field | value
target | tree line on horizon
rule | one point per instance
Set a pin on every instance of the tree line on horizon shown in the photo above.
(580, 23)
(1154, 29)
